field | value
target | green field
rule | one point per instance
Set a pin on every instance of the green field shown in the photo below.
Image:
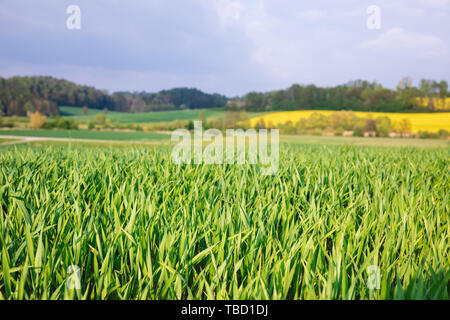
(122, 117)
(140, 227)
(359, 141)
(87, 134)
(6, 140)
(294, 139)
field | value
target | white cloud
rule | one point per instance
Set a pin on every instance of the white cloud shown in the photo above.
(435, 3)
(398, 41)
(229, 12)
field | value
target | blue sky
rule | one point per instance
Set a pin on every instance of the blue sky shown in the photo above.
(231, 47)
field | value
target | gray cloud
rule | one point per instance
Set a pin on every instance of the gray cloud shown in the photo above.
(224, 46)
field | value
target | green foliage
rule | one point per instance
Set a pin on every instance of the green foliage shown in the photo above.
(358, 130)
(383, 126)
(100, 119)
(339, 131)
(357, 96)
(44, 94)
(61, 123)
(141, 227)
(443, 134)
(338, 123)
(190, 125)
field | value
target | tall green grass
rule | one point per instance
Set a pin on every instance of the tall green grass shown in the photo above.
(140, 227)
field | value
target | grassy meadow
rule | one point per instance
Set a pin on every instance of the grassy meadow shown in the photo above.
(140, 227)
(76, 113)
(87, 134)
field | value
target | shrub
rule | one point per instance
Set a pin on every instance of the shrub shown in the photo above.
(339, 132)
(443, 134)
(61, 123)
(358, 131)
(316, 132)
(190, 125)
(428, 135)
(100, 119)
(370, 125)
(37, 120)
(383, 126)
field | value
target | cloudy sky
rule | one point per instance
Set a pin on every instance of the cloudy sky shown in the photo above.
(230, 47)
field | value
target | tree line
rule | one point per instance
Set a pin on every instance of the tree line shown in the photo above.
(25, 95)
(359, 95)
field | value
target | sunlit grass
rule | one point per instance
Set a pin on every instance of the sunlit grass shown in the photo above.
(140, 227)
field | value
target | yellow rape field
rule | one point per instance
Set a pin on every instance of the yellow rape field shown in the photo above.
(431, 122)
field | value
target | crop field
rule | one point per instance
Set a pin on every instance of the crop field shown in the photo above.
(6, 140)
(87, 134)
(140, 227)
(75, 113)
(431, 122)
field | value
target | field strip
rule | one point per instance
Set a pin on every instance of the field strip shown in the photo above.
(21, 139)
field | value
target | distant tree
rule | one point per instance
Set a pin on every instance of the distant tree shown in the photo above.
(29, 107)
(370, 125)
(443, 89)
(100, 119)
(190, 125)
(261, 124)
(339, 132)
(358, 131)
(443, 134)
(383, 126)
(254, 100)
(37, 120)
(404, 83)
(405, 126)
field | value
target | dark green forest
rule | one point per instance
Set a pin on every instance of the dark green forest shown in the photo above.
(356, 95)
(24, 95)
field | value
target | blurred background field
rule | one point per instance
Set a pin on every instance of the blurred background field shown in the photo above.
(76, 113)
(87, 134)
(431, 122)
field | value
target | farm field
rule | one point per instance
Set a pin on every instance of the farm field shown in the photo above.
(140, 227)
(359, 141)
(87, 134)
(75, 113)
(140, 137)
(430, 122)
(5, 140)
